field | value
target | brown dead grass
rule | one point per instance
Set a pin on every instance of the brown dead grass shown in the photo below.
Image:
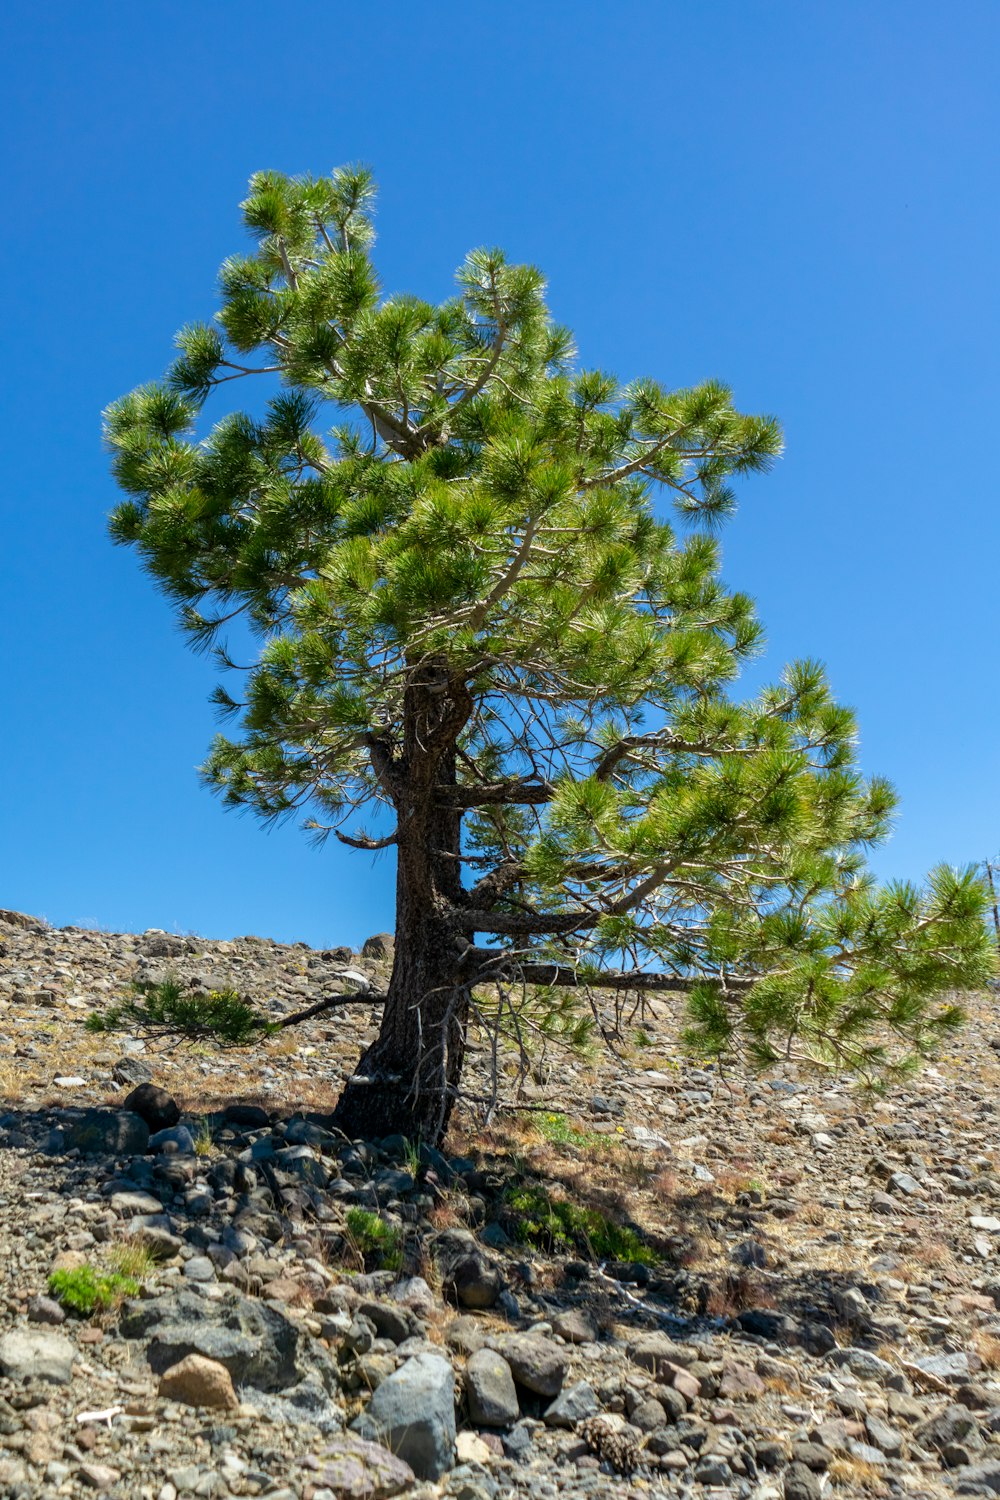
(987, 1346)
(855, 1473)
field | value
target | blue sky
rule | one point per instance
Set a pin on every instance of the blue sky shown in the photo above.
(799, 199)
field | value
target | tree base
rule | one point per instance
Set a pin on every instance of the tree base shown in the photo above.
(370, 1111)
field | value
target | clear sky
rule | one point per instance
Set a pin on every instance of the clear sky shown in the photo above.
(801, 199)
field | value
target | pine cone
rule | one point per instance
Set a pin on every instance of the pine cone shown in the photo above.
(613, 1440)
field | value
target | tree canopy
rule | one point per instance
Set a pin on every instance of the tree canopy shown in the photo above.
(485, 582)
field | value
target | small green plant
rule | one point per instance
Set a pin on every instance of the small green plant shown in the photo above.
(165, 1009)
(89, 1289)
(411, 1158)
(555, 1224)
(375, 1240)
(204, 1143)
(557, 1129)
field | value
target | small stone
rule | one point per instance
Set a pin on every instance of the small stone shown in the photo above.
(380, 946)
(575, 1326)
(883, 1436)
(739, 1382)
(954, 1367)
(573, 1405)
(199, 1268)
(97, 1476)
(979, 1479)
(470, 1449)
(863, 1364)
(197, 1381)
(45, 1310)
(175, 1140)
(131, 1070)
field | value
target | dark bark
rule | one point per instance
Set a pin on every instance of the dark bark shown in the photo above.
(405, 1083)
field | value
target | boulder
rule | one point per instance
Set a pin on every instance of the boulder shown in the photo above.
(154, 1105)
(34, 1355)
(379, 946)
(258, 1345)
(105, 1132)
(468, 1275)
(413, 1413)
(538, 1364)
(197, 1381)
(489, 1390)
(355, 1469)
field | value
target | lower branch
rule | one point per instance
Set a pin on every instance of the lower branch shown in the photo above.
(493, 964)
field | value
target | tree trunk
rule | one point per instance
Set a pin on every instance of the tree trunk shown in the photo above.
(405, 1082)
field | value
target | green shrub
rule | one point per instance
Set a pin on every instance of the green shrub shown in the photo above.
(89, 1289)
(555, 1224)
(557, 1129)
(164, 1009)
(375, 1240)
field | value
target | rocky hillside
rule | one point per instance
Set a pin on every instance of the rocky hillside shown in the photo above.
(625, 1275)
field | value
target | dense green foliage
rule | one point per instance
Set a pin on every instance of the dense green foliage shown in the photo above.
(439, 505)
(89, 1289)
(164, 1008)
(536, 1218)
(378, 1243)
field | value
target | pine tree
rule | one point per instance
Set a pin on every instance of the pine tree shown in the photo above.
(479, 631)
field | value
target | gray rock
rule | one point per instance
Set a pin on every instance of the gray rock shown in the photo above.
(955, 1424)
(489, 1390)
(105, 1132)
(174, 1140)
(258, 1345)
(358, 1470)
(381, 945)
(862, 1364)
(655, 1351)
(575, 1326)
(574, 1404)
(467, 1273)
(45, 1310)
(883, 1436)
(946, 1366)
(979, 1479)
(537, 1364)
(31, 1355)
(199, 1268)
(131, 1070)
(801, 1483)
(413, 1414)
(714, 1471)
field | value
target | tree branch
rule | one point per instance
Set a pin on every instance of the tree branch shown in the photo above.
(563, 976)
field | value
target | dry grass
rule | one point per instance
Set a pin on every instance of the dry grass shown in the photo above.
(855, 1473)
(739, 1290)
(987, 1346)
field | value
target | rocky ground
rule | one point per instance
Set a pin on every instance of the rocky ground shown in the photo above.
(631, 1276)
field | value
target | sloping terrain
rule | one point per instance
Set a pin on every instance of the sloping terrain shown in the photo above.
(624, 1274)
